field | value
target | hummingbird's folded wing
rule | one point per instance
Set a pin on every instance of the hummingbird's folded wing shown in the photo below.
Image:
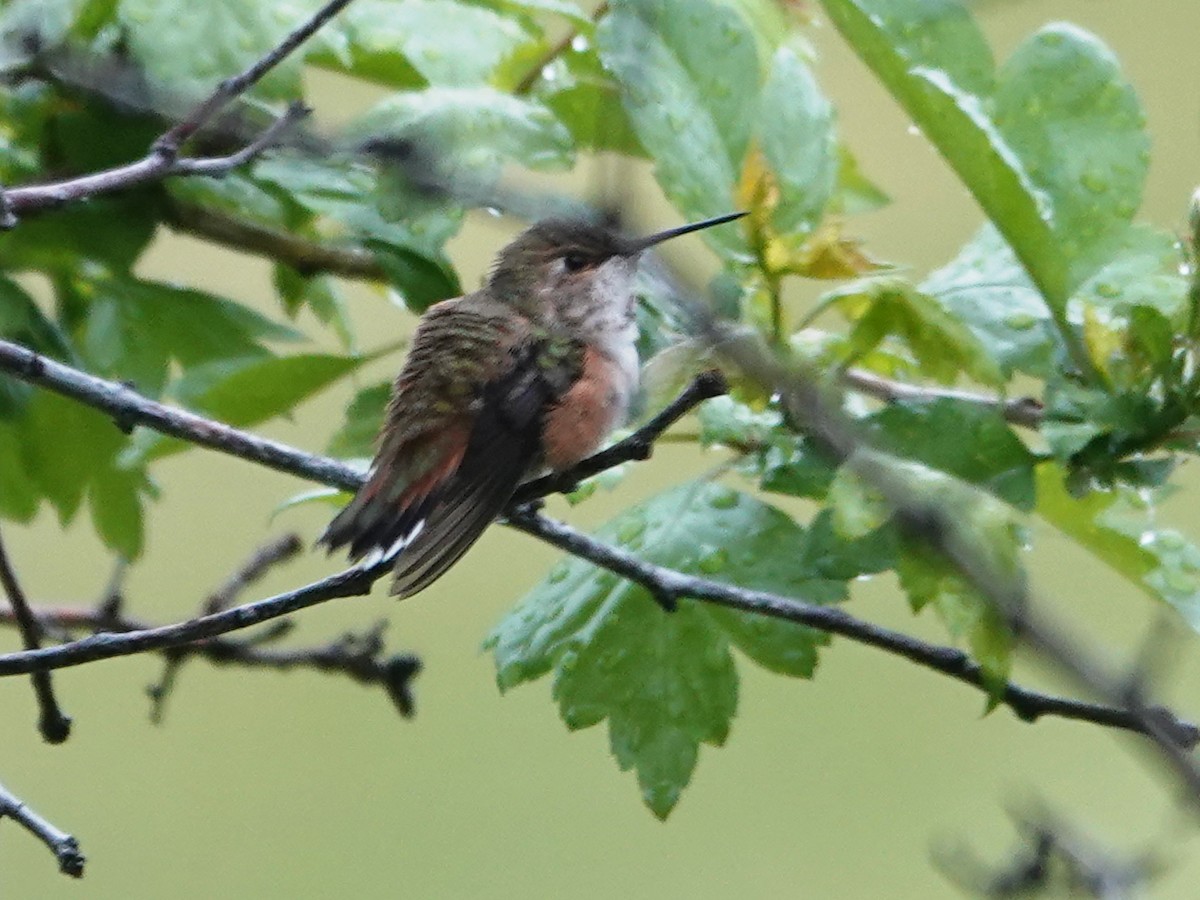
(462, 430)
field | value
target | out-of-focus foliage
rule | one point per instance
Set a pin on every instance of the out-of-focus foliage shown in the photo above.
(723, 97)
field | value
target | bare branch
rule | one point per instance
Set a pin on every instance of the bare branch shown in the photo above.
(129, 408)
(163, 158)
(1053, 860)
(219, 165)
(53, 723)
(358, 656)
(262, 561)
(64, 847)
(669, 586)
(1025, 411)
(352, 582)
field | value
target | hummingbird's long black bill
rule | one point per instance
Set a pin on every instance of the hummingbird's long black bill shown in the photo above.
(640, 244)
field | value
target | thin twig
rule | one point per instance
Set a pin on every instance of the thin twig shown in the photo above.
(347, 655)
(53, 723)
(230, 88)
(263, 559)
(352, 582)
(64, 847)
(670, 586)
(163, 158)
(1025, 411)
(557, 49)
(219, 165)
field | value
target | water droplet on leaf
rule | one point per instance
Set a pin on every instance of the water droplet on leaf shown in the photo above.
(724, 498)
(1020, 321)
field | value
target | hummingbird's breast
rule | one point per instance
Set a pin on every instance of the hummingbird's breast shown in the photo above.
(595, 404)
(603, 321)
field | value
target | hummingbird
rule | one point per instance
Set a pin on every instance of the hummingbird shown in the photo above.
(529, 373)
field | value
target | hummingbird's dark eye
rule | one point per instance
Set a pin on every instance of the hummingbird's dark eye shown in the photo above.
(574, 262)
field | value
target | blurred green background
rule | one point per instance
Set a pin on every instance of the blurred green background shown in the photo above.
(267, 785)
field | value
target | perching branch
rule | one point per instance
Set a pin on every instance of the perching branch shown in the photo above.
(64, 847)
(164, 157)
(669, 586)
(130, 408)
(53, 723)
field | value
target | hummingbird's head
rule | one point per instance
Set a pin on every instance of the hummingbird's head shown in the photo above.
(570, 271)
(560, 261)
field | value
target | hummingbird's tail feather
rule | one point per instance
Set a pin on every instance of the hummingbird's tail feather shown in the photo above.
(491, 470)
(427, 527)
(387, 510)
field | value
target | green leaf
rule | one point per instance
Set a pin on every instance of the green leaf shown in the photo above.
(587, 100)
(65, 443)
(441, 41)
(986, 288)
(690, 82)
(965, 441)
(665, 683)
(19, 499)
(364, 415)
(21, 321)
(135, 328)
(115, 503)
(412, 216)
(1052, 146)
(421, 280)
(1142, 272)
(890, 306)
(71, 451)
(164, 36)
(929, 579)
(476, 127)
(979, 526)
(1064, 105)
(246, 392)
(106, 230)
(727, 422)
(796, 135)
(237, 195)
(855, 192)
(1118, 527)
(319, 293)
(327, 496)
